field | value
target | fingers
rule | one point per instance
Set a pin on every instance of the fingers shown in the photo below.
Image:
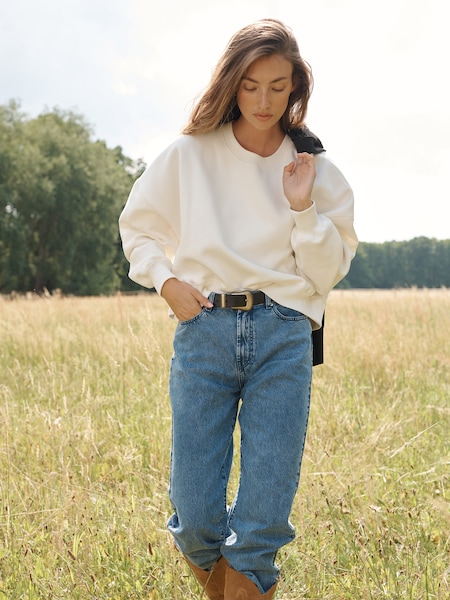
(303, 159)
(202, 300)
(290, 167)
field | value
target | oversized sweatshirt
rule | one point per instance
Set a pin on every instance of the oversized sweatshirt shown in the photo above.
(214, 214)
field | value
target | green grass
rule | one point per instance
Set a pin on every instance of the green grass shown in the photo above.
(85, 445)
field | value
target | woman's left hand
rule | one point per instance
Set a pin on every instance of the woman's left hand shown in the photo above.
(298, 180)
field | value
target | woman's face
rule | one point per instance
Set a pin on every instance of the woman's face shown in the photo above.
(264, 92)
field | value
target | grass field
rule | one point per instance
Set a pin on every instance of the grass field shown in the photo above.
(85, 443)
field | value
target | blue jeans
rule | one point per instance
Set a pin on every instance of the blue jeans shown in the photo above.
(264, 358)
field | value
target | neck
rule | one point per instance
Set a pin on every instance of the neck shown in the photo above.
(264, 143)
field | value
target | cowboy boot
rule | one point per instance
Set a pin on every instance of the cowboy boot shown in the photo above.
(239, 587)
(213, 581)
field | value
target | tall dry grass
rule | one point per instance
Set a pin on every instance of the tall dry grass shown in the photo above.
(85, 443)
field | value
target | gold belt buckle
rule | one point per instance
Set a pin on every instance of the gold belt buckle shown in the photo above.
(248, 301)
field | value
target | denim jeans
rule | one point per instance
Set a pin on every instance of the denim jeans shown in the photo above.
(262, 357)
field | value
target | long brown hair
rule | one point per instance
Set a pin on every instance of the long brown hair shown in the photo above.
(218, 104)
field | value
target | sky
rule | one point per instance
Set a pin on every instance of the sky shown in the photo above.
(133, 69)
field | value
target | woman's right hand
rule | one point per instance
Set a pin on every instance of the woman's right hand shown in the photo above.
(185, 300)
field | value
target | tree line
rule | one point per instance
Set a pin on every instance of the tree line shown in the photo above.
(420, 262)
(61, 193)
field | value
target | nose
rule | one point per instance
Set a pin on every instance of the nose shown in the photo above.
(263, 99)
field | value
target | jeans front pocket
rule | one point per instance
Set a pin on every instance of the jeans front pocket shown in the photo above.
(195, 318)
(287, 314)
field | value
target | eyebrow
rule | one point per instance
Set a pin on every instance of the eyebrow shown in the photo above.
(274, 81)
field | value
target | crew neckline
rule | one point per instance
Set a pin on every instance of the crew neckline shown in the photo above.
(247, 155)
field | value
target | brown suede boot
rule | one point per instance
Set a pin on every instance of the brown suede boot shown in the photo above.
(212, 582)
(239, 587)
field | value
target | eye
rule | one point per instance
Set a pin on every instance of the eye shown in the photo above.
(279, 89)
(249, 89)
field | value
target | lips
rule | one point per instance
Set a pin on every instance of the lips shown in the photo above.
(263, 117)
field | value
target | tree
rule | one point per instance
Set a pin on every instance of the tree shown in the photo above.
(12, 254)
(60, 197)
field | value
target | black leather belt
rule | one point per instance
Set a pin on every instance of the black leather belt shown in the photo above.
(239, 301)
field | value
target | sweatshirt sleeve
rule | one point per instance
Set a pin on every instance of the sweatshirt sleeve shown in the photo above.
(149, 222)
(323, 236)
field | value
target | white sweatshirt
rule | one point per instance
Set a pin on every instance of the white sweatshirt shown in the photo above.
(213, 214)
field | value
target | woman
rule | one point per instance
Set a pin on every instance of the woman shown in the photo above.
(244, 238)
